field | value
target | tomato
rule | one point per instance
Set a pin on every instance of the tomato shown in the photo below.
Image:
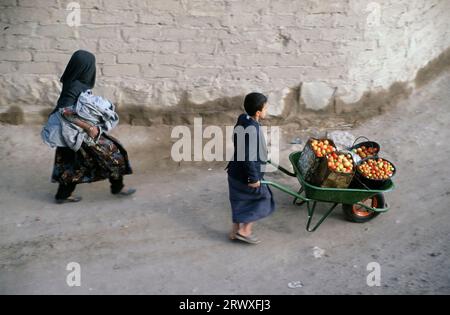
(321, 148)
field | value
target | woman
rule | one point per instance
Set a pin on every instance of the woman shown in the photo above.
(101, 159)
(250, 200)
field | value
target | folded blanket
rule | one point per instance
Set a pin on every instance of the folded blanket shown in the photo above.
(95, 110)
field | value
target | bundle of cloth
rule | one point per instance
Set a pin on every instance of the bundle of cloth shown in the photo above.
(60, 131)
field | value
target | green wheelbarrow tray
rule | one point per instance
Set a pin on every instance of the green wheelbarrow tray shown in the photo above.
(311, 194)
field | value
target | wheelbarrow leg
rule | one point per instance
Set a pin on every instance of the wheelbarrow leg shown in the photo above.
(311, 214)
(295, 199)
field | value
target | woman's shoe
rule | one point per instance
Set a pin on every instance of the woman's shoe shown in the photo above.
(126, 192)
(69, 199)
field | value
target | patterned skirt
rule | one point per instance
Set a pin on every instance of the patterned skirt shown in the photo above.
(92, 162)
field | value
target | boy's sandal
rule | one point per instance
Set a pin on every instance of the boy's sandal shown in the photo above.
(68, 200)
(251, 239)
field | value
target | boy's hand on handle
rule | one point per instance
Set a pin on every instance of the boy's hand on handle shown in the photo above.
(255, 185)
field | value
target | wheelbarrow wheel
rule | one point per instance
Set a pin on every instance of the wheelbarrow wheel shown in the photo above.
(358, 214)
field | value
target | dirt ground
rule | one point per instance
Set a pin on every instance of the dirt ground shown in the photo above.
(171, 237)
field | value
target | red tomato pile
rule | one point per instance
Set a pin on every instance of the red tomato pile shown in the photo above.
(365, 152)
(322, 148)
(342, 163)
(378, 169)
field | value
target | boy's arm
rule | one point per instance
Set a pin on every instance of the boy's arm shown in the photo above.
(250, 165)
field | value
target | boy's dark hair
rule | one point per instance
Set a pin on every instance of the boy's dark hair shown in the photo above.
(254, 102)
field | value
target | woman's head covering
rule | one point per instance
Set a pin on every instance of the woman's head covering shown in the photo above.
(78, 77)
(81, 67)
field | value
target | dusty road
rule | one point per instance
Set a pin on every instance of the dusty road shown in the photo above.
(171, 237)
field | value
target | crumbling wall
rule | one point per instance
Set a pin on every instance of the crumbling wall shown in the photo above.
(204, 55)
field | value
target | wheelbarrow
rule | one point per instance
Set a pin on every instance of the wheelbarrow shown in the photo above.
(358, 205)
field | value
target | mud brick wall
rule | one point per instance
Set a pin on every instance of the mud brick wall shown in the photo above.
(160, 54)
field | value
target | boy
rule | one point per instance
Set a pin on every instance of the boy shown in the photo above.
(250, 200)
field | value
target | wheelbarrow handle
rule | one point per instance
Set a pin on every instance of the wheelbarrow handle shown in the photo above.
(282, 169)
(286, 190)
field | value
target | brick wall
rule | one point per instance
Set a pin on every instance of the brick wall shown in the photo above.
(161, 53)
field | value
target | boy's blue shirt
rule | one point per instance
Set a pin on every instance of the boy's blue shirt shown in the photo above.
(248, 171)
